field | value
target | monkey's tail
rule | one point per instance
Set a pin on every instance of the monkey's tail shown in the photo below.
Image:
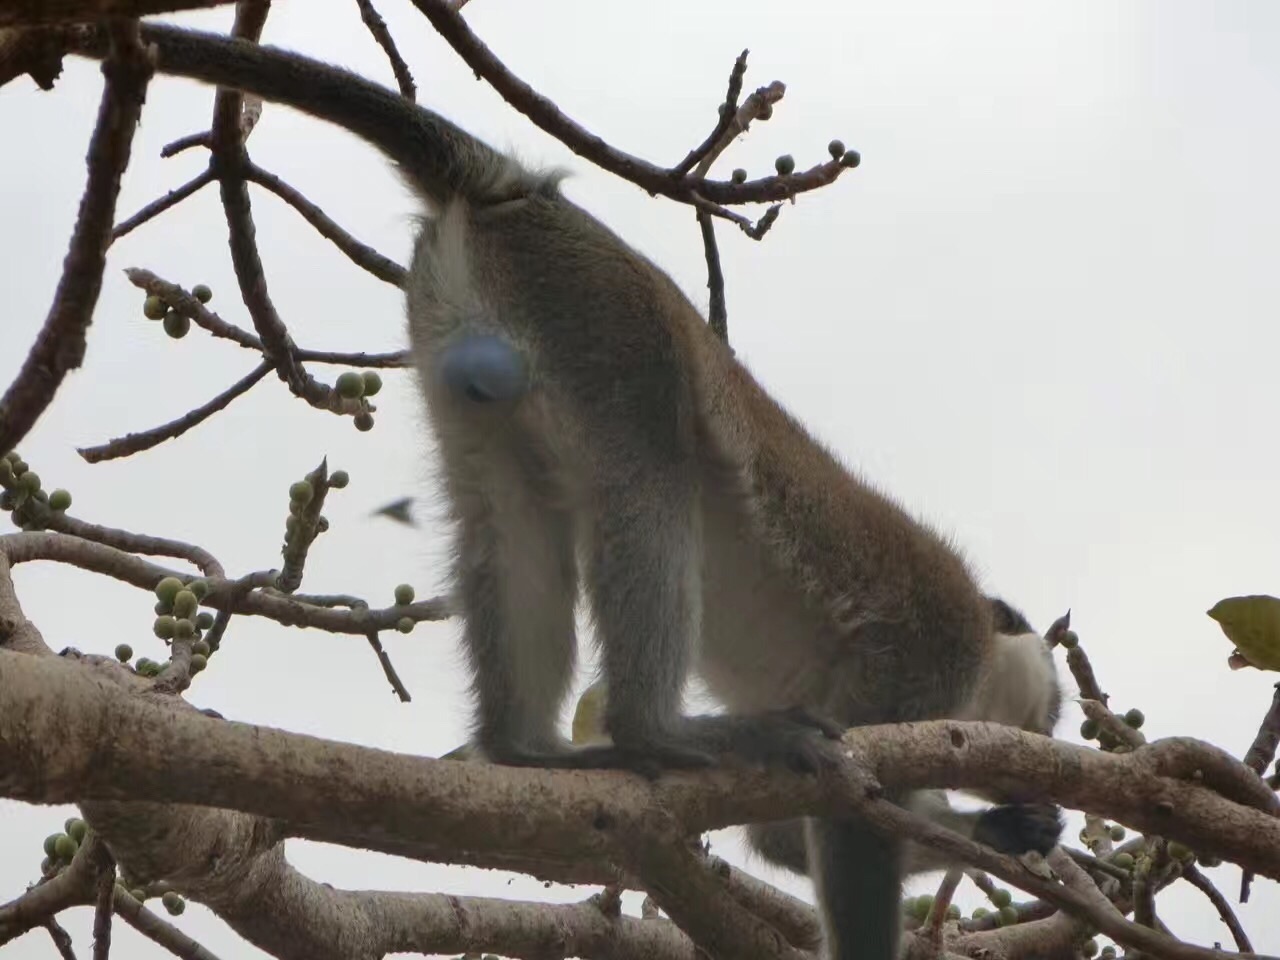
(857, 874)
(439, 159)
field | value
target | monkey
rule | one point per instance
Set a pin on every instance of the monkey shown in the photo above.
(1020, 689)
(597, 439)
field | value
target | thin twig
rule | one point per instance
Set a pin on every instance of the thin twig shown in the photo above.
(201, 139)
(103, 910)
(362, 255)
(1145, 878)
(388, 670)
(728, 109)
(938, 911)
(547, 116)
(758, 106)
(1089, 862)
(1260, 753)
(307, 528)
(60, 345)
(61, 939)
(1107, 721)
(1191, 873)
(184, 303)
(1082, 671)
(717, 309)
(733, 120)
(160, 930)
(161, 204)
(229, 164)
(132, 443)
(396, 358)
(1263, 749)
(378, 27)
(755, 229)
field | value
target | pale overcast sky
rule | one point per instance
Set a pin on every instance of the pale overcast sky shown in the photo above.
(1041, 313)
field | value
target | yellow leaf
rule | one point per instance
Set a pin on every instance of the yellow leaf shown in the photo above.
(1253, 625)
(588, 717)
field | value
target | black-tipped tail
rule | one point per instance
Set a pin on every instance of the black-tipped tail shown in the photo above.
(857, 876)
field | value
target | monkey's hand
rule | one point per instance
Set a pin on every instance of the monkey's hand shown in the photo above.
(1020, 827)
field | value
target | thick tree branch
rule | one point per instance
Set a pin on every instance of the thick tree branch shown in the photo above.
(330, 790)
(30, 12)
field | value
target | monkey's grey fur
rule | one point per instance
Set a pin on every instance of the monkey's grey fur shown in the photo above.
(596, 435)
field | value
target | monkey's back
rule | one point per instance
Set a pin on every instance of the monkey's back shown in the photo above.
(806, 563)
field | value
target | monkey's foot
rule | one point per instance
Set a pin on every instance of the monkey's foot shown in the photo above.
(795, 739)
(1020, 827)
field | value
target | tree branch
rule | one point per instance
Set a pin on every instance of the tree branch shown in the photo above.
(60, 345)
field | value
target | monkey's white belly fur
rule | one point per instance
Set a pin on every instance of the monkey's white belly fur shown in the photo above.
(759, 641)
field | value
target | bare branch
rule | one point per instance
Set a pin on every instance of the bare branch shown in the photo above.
(60, 345)
(793, 918)
(546, 115)
(378, 27)
(227, 595)
(228, 163)
(74, 884)
(1082, 670)
(160, 205)
(1099, 912)
(61, 939)
(388, 668)
(184, 303)
(30, 12)
(103, 907)
(696, 898)
(1191, 873)
(141, 543)
(1263, 749)
(362, 255)
(132, 443)
(202, 139)
(725, 118)
(938, 911)
(717, 309)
